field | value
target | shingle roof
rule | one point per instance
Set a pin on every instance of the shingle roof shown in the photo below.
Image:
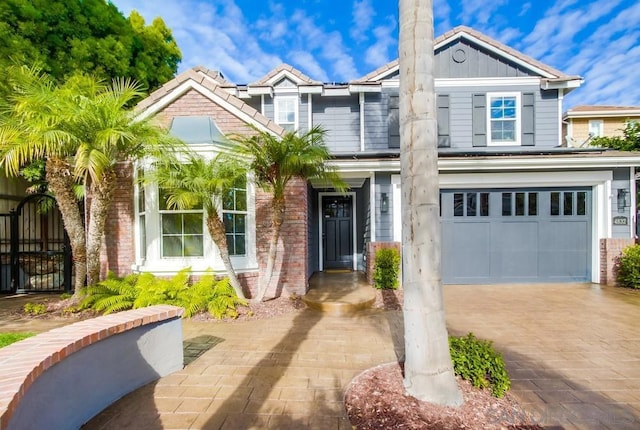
(590, 108)
(285, 68)
(462, 31)
(599, 111)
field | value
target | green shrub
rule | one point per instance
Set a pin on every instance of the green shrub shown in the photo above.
(35, 309)
(386, 269)
(65, 296)
(9, 338)
(628, 267)
(142, 290)
(479, 363)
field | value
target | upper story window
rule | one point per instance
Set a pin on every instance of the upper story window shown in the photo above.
(503, 120)
(286, 112)
(596, 128)
(234, 215)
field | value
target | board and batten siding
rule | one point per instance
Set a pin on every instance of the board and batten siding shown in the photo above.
(463, 59)
(340, 116)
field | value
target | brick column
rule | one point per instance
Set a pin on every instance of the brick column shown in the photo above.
(118, 244)
(610, 251)
(290, 270)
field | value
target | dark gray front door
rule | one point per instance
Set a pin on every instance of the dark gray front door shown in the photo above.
(516, 235)
(337, 232)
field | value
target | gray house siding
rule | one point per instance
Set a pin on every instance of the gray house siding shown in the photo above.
(269, 109)
(362, 202)
(384, 221)
(340, 116)
(303, 113)
(621, 181)
(463, 59)
(376, 126)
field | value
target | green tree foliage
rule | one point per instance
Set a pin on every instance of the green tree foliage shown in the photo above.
(91, 36)
(629, 141)
(386, 269)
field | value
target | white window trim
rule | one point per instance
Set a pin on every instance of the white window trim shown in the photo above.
(600, 127)
(276, 109)
(518, 140)
(155, 263)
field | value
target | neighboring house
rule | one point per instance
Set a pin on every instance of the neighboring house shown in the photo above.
(581, 123)
(516, 205)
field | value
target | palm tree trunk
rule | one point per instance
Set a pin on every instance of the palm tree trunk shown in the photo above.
(278, 206)
(101, 196)
(428, 370)
(219, 236)
(61, 182)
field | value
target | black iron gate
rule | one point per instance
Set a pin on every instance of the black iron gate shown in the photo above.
(35, 253)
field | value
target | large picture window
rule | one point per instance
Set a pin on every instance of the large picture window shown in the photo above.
(286, 112)
(234, 215)
(181, 231)
(504, 118)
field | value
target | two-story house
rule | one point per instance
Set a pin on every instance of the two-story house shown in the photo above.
(582, 123)
(516, 204)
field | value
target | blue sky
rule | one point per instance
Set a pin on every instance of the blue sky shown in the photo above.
(340, 40)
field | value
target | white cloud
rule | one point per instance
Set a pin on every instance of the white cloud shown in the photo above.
(479, 11)
(385, 38)
(363, 14)
(306, 62)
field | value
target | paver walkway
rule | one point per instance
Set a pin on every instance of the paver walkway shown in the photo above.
(573, 352)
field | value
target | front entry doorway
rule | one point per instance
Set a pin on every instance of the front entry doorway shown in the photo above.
(337, 232)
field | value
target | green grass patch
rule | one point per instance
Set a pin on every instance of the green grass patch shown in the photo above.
(9, 338)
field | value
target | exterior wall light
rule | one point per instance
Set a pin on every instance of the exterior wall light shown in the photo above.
(384, 203)
(623, 199)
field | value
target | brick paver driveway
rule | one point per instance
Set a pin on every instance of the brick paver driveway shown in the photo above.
(573, 352)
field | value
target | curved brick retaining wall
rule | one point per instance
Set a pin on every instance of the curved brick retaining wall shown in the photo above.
(62, 378)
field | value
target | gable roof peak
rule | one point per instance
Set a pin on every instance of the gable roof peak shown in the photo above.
(281, 71)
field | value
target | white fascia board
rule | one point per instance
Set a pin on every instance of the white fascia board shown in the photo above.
(391, 83)
(310, 89)
(290, 91)
(336, 92)
(557, 85)
(524, 179)
(387, 72)
(487, 82)
(602, 113)
(365, 88)
(502, 164)
(285, 74)
(259, 91)
(497, 51)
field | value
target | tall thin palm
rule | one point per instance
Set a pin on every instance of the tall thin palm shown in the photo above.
(428, 370)
(197, 182)
(275, 162)
(32, 127)
(107, 133)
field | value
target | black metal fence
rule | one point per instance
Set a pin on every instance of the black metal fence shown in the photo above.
(35, 254)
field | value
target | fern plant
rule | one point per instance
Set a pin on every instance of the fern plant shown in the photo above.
(216, 297)
(112, 295)
(156, 291)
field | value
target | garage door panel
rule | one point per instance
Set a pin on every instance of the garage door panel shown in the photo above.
(517, 242)
(474, 239)
(535, 235)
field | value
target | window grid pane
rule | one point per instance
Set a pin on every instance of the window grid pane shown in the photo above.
(555, 203)
(458, 204)
(471, 204)
(568, 203)
(484, 204)
(506, 204)
(581, 203)
(520, 198)
(533, 204)
(234, 213)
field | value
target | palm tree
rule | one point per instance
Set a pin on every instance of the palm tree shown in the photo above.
(107, 134)
(428, 370)
(199, 183)
(32, 129)
(275, 161)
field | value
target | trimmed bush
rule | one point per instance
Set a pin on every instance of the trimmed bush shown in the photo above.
(628, 267)
(386, 269)
(142, 290)
(479, 363)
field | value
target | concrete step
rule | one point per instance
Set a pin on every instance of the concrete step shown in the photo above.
(339, 293)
